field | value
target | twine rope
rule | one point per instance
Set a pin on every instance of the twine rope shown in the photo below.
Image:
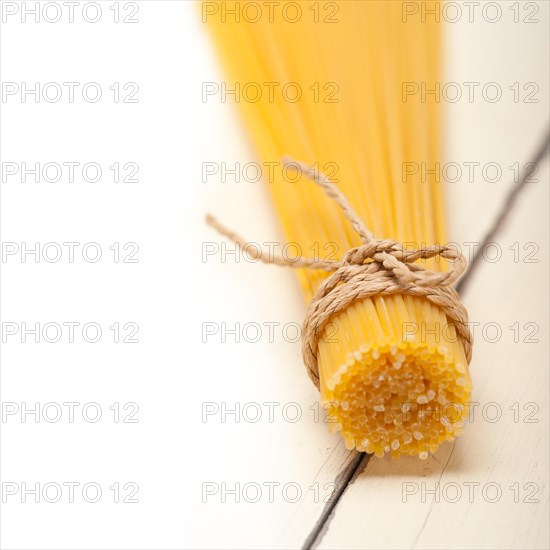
(379, 267)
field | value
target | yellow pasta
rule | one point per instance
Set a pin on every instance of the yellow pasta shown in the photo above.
(393, 375)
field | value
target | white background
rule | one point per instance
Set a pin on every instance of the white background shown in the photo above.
(169, 453)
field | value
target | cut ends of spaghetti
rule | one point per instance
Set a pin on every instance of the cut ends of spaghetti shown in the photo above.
(399, 394)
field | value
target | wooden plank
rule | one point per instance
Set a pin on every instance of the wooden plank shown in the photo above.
(236, 451)
(503, 456)
(490, 141)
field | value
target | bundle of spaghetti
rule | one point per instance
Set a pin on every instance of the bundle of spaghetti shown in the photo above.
(325, 85)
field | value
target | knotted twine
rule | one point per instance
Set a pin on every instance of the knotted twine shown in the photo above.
(379, 267)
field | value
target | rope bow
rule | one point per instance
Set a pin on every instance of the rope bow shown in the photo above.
(379, 267)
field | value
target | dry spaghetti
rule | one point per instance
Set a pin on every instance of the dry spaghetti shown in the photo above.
(394, 375)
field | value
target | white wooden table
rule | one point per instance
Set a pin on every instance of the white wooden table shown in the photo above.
(231, 450)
